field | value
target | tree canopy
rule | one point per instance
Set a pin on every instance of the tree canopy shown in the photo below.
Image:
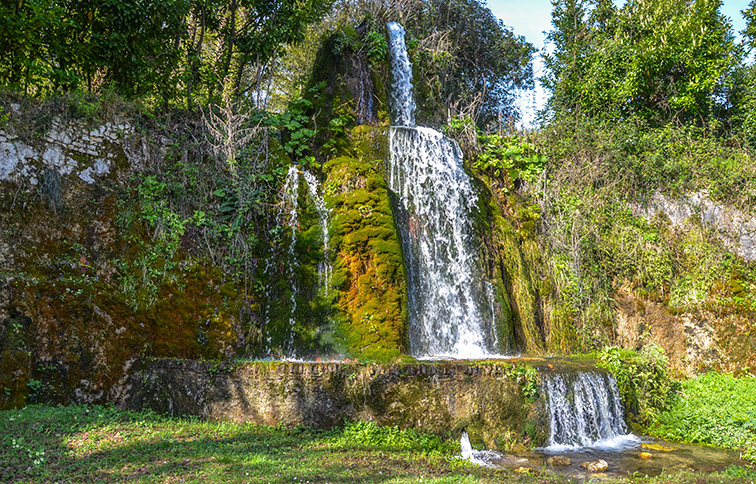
(659, 60)
(476, 63)
(176, 50)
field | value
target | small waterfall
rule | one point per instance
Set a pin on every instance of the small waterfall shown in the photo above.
(585, 410)
(449, 314)
(288, 217)
(324, 267)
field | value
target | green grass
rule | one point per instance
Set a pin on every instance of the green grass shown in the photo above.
(716, 409)
(41, 444)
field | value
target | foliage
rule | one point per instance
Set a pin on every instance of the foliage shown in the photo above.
(297, 127)
(645, 383)
(662, 61)
(714, 408)
(600, 233)
(529, 380)
(465, 59)
(509, 158)
(169, 50)
(384, 437)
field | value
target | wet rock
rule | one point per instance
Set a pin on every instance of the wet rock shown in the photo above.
(595, 466)
(559, 461)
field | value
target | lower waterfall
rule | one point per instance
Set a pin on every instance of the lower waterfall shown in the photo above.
(585, 410)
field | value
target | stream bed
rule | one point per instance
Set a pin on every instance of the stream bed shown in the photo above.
(623, 458)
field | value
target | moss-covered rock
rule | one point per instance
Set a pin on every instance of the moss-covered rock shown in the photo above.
(96, 273)
(368, 267)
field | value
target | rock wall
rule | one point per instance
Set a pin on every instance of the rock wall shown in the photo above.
(70, 147)
(76, 257)
(484, 399)
(736, 229)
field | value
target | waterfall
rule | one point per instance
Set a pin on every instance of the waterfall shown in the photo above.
(288, 217)
(401, 93)
(434, 203)
(324, 267)
(585, 410)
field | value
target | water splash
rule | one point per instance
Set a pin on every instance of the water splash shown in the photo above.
(483, 458)
(585, 410)
(435, 202)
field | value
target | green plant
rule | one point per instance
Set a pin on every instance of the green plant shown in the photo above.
(377, 47)
(374, 435)
(643, 378)
(529, 380)
(509, 158)
(714, 408)
(297, 126)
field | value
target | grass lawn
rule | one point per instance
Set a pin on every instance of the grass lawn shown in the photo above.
(79, 444)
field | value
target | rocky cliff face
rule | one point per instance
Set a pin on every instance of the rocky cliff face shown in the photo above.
(736, 229)
(72, 311)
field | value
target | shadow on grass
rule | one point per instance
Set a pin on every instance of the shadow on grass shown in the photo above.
(96, 444)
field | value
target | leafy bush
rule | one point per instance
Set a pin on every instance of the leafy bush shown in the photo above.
(714, 408)
(509, 157)
(643, 379)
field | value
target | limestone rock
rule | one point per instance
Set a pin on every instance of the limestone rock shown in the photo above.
(595, 466)
(559, 461)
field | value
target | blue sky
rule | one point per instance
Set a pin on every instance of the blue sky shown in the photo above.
(532, 18)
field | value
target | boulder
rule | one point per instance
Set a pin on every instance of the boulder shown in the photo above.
(595, 466)
(559, 461)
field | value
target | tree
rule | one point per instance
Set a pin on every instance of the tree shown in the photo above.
(660, 60)
(480, 64)
(147, 48)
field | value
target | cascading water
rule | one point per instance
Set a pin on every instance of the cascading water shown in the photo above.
(401, 93)
(288, 216)
(324, 266)
(585, 410)
(434, 201)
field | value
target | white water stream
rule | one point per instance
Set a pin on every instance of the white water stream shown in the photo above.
(449, 311)
(585, 410)
(288, 217)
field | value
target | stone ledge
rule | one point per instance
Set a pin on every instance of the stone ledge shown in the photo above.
(485, 398)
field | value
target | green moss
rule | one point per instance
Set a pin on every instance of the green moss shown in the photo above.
(368, 271)
(15, 362)
(510, 256)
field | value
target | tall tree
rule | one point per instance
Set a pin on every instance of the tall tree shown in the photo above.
(661, 60)
(482, 62)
